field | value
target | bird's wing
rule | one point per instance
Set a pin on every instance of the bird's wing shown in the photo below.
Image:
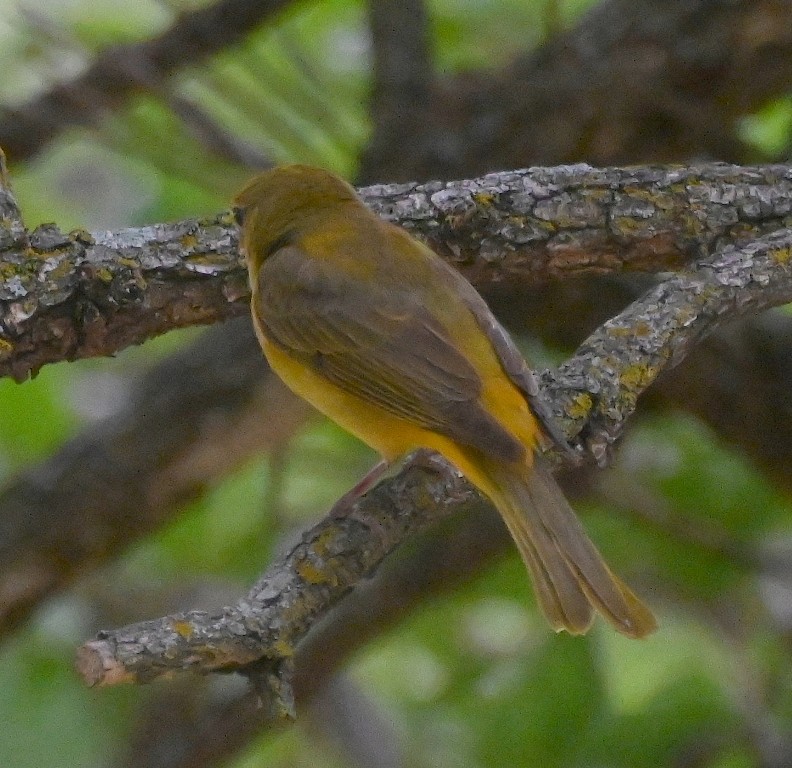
(510, 357)
(378, 344)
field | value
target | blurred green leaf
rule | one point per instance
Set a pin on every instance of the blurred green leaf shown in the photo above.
(770, 129)
(34, 416)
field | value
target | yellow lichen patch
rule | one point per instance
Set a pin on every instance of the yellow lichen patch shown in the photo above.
(82, 236)
(686, 316)
(483, 198)
(283, 649)
(321, 543)
(312, 574)
(9, 269)
(620, 332)
(6, 349)
(581, 406)
(782, 255)
(32, 254)
(104, 274)
(660, 199)
(62, 269)
(188, 241)
(641, 329)
(625, 225)
(182, 629)
(638, 376)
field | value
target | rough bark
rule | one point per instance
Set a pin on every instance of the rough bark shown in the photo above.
(448, 556)
(276, 614)
(65, 297)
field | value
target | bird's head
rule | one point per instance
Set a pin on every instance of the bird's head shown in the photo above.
(275, 205)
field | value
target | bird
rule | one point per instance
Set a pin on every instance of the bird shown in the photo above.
(384, 337)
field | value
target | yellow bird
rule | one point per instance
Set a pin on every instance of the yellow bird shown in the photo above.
(380, 334)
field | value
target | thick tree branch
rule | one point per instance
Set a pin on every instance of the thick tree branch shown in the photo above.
(402, 70)
(79, 295)
(605, 377)
(69, 296)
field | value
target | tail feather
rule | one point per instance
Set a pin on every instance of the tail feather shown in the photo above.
(555, 582)
(570, 578)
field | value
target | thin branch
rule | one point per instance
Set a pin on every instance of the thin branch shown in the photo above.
(738, 382)
(614, 365)
(280, 609)
(80, 295)
(121, 70)
(210, 133)
(447, 557)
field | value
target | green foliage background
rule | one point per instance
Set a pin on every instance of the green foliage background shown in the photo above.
(474, 679)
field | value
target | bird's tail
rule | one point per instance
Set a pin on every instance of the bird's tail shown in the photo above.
(570, 578)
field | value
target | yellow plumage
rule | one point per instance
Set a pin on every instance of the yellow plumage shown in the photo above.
(382, 336)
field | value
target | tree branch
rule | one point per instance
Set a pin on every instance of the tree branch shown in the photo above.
(331, 558)
(35, 565)
(65, 297)
(445, 558)
(72, 296)
(614, 366)
(634, 81)
(121, 70)
(604, 378)
(402, 71)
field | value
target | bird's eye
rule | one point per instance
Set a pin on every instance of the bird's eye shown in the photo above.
(239, 215)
